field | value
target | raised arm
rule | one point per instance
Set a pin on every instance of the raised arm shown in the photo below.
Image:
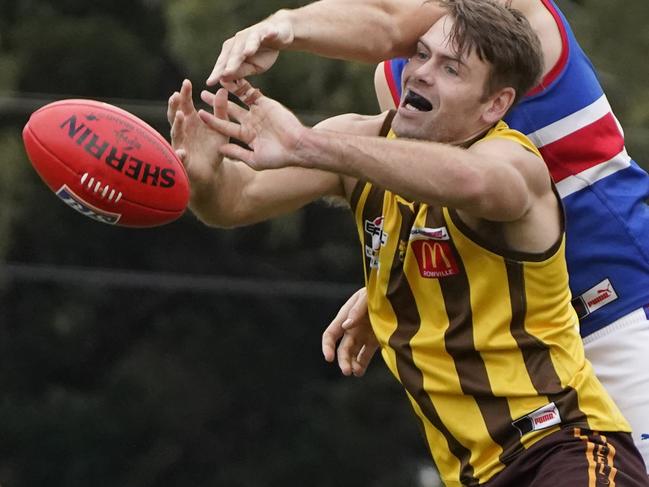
(361, 30)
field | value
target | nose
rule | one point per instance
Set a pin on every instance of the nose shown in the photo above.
(425, 73)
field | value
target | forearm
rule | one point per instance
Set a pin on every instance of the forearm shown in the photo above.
(362, 30)
(238, 195)
(427, 172)
(403, 168)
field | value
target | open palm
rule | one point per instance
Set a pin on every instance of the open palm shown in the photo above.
(270, 131)
(196, 144)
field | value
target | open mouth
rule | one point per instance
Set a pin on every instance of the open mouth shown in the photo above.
(415, 101)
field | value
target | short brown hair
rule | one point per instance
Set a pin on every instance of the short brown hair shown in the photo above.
(501, 36)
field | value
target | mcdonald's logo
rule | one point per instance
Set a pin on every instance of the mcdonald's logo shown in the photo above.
(435, 259)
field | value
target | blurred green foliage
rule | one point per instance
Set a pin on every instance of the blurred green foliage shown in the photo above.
(109, 386)
(13, 186)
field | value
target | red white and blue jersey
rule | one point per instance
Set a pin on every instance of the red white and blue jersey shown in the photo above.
(604, 192)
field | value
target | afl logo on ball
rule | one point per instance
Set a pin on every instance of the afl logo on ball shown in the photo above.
(74, 201)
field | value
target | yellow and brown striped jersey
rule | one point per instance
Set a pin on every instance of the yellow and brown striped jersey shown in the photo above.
(484, 340)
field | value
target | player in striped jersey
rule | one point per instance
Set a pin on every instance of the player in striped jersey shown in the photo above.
(567, 116)
(464, 250)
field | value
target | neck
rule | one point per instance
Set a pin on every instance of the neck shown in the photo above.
(471, 139)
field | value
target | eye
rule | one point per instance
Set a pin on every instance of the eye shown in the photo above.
(450, 70)
(421, 55)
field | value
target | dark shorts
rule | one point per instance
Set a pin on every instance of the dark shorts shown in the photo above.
(576, 457)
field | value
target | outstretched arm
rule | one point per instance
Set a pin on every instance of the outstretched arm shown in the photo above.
(228, 193)
(469, 180)
(232, 190)
(466, 179)
(361, 30)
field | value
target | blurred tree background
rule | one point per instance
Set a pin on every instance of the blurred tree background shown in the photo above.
(185, 355)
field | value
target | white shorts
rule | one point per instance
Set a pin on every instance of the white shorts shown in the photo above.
(619, 353)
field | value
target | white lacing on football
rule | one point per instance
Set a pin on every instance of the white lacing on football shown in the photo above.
(101, 190)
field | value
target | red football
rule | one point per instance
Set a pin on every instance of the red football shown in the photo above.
(106, 163)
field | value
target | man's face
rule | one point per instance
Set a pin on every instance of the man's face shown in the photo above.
(443, 93)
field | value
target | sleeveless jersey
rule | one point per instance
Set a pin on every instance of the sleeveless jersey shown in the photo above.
(484, 341)
(604, 192)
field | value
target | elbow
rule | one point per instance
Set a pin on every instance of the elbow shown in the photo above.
(211, 220)
(213, 215)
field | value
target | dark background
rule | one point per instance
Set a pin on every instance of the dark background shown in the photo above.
(186, 355)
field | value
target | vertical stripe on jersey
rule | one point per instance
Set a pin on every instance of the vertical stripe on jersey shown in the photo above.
(356, 194)
(471, 369)
(536, 354)
(403, 303)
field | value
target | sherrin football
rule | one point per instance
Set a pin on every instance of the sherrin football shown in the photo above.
(106, 163)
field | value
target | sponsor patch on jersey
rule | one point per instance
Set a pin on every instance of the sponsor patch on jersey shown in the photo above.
(76, 202)
(377, 237)
(435, 256)
(596, 297)
(429, 233)
(540, 419)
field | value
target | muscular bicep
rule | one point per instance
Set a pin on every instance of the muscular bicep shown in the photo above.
(513, 178)
(362, 30)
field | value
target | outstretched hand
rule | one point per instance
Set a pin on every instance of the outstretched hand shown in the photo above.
(252, 50)
(352, 327)
(195, 144)
(270, 130)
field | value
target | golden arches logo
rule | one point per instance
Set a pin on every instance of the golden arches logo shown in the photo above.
(433, 252)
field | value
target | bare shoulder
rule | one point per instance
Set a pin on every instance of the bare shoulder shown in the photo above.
(353, 123)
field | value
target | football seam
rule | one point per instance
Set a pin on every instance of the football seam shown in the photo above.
(60, 161)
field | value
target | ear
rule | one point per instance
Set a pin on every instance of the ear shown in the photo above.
(498, 104)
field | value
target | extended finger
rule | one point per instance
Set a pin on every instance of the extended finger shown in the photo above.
(186, 103)
(177, 129)
(234, 151)
(347, 350)
(357, 313)
(224, 127)
(363, 359)
(172, 107)
(335, 331)
(220, 104)
(242, 89)
(221, 61)
(329, 339)
(332, 334)
(207, 97)
(236, 112)
(233, 110)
